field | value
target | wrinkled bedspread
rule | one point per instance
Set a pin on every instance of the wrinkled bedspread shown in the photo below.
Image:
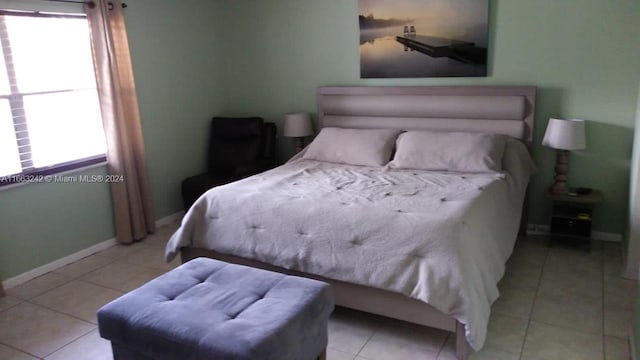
(442, 238)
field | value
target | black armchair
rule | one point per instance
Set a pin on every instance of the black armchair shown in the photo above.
(238, 147)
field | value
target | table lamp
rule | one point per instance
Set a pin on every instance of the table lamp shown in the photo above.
(298, 126)
(563, 135)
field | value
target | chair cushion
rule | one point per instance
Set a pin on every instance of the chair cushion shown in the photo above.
(238, 147)
(234, 141)
(210, 309)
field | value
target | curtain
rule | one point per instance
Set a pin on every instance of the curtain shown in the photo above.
(131, 197)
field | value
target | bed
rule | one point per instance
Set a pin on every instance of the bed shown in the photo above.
(424, 246)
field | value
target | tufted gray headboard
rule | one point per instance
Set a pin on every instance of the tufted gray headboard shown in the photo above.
(505, 110)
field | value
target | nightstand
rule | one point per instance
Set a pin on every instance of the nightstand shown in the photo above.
(572, 216)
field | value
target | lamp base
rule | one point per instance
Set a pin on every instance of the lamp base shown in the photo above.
(299, 144)
(559, 187)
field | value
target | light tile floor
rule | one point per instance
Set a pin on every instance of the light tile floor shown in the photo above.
(555, 303)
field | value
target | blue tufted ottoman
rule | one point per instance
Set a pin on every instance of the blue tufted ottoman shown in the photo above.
(209, 309)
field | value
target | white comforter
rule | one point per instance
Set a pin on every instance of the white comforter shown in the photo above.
(441, 238)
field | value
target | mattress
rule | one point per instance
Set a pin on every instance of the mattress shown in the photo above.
(439, 237)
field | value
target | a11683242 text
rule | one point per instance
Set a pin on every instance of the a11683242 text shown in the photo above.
(62, 179)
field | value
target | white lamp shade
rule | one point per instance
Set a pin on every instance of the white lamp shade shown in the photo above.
(565, 134)
(297, 125)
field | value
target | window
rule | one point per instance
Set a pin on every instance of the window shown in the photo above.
(50, 117)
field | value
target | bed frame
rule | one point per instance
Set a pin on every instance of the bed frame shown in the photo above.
(492, 109)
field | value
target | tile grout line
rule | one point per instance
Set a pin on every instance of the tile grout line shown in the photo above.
(30, 301)
(65, 314)
(110, 288)
(61, 313)
(70, 279)
(20, 301)
(46, 291)
(70, 342)
(147, 245)
(567, 328)
(377, 327)
(340, 351)
(535, 298)
(79, 276)
(104, 287)
(112, 261)
(124, 263)
(67, 344)
(444, 345)
(20, 350)
(603, 292)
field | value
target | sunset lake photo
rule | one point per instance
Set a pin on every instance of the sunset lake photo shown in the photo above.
(423, 38)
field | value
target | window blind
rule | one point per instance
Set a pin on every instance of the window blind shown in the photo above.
(49, 107)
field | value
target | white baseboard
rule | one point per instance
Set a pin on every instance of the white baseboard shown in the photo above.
(169, 219)
(41, 270)
(54, 265)
(605, 236)
(539, 229)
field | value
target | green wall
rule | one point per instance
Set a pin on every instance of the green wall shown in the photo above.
(178, 75)
(40, 223)
(582, 56)
(178, 71)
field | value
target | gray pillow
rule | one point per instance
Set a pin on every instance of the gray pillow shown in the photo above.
(370, 147)
(449, 151)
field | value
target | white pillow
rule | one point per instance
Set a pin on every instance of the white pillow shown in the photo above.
(370, 147)
(517, 160)
(449, 151)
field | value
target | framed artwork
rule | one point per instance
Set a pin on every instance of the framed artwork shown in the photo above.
(423, 38)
